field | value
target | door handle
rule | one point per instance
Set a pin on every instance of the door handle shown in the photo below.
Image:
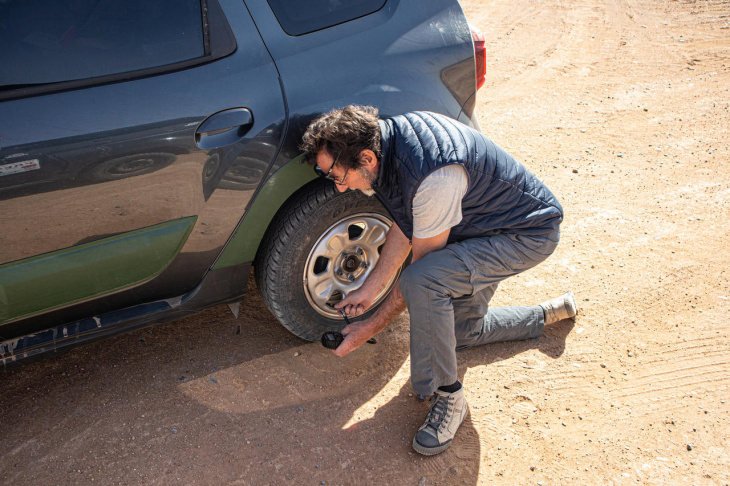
(224, 128)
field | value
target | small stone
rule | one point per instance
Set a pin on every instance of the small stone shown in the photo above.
(575, 171)
(213, 380)
(300, 409)
(689, 447)
(631, 354)
(564, 424)
(422, 482)
(603, 365)
(532, 468)
(142, 340)
(174, 431)
(297, 353)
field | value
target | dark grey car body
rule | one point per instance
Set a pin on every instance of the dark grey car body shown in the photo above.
(162, 168)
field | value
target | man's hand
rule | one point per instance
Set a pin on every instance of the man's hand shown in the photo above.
(357, 302)
(395, 251)
(356, 334)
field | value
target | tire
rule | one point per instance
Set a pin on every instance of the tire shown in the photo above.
(322, 245)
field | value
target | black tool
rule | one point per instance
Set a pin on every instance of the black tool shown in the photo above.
(331, 339)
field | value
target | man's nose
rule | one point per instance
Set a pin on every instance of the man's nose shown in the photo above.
(341, 187)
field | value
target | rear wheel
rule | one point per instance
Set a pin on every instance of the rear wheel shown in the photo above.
(322, 245)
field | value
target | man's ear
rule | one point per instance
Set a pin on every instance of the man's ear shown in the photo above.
(368, 158)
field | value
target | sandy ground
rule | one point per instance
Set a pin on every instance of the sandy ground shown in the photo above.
(622, 107)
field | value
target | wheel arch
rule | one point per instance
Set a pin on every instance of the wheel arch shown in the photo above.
(280, 188)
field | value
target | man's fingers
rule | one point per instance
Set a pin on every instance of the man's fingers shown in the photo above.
(343, 349)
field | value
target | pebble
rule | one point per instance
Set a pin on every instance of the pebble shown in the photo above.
(300, 409)
(296, 353)
(603, 365)
(631, 355)
(174, 431)
(422, 482)
(213, 380)
(689, 447)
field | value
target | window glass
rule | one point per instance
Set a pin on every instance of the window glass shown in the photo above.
(50, 41)
(299, 17)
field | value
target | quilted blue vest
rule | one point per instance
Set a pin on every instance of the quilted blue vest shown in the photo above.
(502, 196)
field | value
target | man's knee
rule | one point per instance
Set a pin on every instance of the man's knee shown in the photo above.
(414, 277)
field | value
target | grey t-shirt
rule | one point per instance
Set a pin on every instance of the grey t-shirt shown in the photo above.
(437, 203)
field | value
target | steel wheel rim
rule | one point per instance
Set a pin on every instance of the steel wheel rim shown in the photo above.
(334, 266)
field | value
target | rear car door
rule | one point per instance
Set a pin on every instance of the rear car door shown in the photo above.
(132, 137)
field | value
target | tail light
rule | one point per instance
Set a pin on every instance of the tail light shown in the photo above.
(480, 54)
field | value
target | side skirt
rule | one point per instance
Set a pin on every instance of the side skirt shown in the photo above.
(219, 286)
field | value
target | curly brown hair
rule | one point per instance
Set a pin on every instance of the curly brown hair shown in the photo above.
(344, 134)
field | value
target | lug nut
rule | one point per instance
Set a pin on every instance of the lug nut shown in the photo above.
(350, 277)
(364, 264)
(339, 272)
(359, 251)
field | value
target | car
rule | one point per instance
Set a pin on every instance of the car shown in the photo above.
(149, 155)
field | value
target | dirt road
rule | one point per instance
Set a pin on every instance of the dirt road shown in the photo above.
(623, 109)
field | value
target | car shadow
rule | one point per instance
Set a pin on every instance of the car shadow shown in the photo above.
(211, 399)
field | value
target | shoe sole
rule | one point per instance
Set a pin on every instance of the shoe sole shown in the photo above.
(571, 304)
(430, 451)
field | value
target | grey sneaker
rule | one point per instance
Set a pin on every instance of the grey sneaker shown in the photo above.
(447, 412)
(563, 307)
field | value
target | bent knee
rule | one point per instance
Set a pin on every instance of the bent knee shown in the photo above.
(422, 276)
(412, 277)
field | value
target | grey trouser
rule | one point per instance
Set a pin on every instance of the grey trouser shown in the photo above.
(448, 293)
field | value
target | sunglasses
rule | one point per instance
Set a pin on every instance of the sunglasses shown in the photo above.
(327, 176)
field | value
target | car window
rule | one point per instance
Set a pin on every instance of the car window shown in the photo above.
(305, 16)
(52, 41)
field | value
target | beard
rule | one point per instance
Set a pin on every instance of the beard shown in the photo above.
(371, 180)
